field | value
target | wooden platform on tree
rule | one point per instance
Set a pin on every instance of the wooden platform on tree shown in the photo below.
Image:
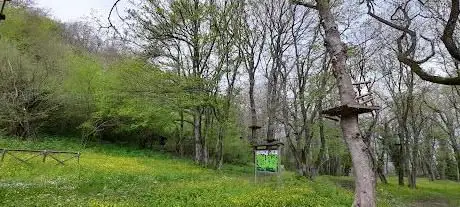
(349, 109)
(333, 118)
(267, 144)
(255, 127)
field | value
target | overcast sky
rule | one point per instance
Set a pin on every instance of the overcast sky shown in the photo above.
(75, 10)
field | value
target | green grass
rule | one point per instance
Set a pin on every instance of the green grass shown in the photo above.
(113, 176)
(428, 193)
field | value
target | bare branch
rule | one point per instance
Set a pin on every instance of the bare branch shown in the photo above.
(447, 36)
(111, 25)
(406, 56)
(304, 3)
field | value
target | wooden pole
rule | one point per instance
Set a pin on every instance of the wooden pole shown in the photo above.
(255, 165)
(44, 156)
(3, 154)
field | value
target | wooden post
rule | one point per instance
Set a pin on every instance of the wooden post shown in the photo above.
(3, 154)
(44, 155)
(279, 165)
(255, 165)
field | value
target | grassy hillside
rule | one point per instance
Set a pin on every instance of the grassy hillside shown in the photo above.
(113, 176)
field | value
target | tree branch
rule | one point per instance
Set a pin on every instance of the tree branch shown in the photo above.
(447, 36)
(406, 56)
(111, 25)
(304, 3)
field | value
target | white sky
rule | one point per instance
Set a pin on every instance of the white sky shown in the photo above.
(75, 10)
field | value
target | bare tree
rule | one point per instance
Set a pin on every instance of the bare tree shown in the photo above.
(251, 44)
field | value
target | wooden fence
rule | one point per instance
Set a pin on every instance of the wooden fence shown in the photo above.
(39, 153)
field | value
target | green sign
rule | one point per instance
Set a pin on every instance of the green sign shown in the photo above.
(267, 160)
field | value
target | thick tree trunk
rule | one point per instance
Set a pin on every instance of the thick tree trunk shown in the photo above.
(360, 154)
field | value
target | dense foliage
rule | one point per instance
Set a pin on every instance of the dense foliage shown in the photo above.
(54, 84)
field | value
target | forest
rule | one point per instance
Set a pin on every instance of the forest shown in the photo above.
(361, 89)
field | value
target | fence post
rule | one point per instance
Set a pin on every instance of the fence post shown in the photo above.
(44, 155)
(3, 154)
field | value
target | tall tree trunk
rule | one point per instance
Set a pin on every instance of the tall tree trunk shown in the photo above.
(443, 149)
(415, 156)
(360, 154)
(252, 104)
(379, 169)
(319, 107)
(400, 161)
(196, 59)
(413, 173)
(180, 145)
(381, 157)
(220, 147)
(322, 138)
(204, 144)
(197, 135)
(453, 142)
(430, 161)
(457, 158)
(272, 103)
